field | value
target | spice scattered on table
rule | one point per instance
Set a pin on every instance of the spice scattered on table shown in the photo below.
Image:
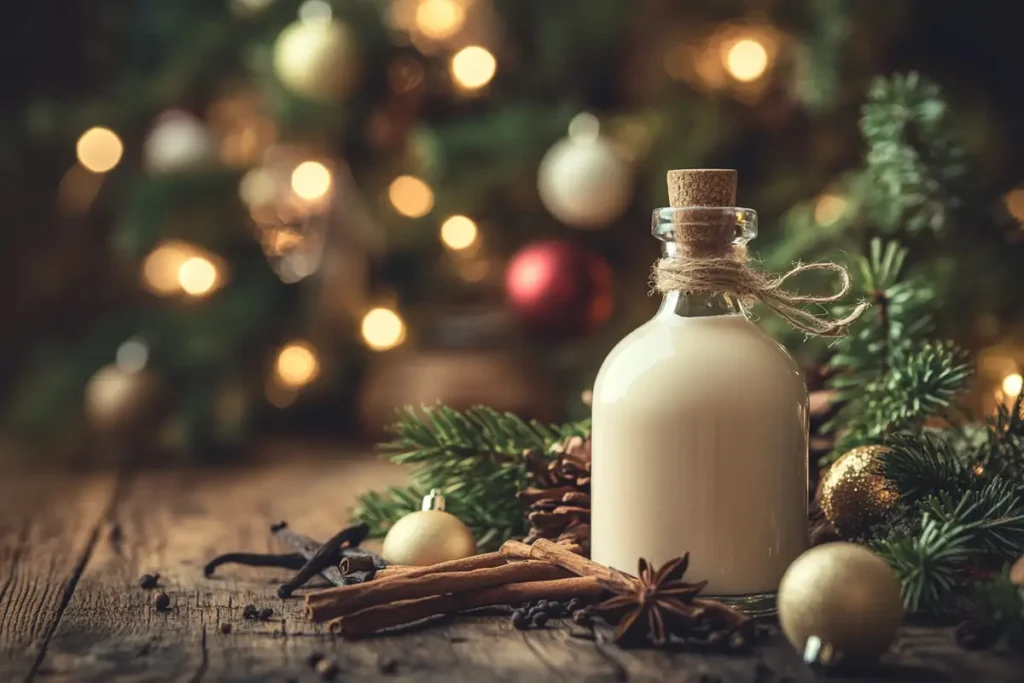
(225, 628)
(161, 601)
(326, 668)
(149, 581)
(313, 658)
(266, 613)
(387, 665)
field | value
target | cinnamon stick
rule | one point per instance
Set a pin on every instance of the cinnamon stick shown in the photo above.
(461, 565)
(405, 587)
(392, 571)
(562, 556)
(373, 619)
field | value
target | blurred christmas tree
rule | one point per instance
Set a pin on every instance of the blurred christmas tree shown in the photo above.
(260, 210)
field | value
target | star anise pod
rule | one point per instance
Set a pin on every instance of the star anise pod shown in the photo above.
(660, 604)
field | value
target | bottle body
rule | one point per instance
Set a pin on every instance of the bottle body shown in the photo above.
(700, 430)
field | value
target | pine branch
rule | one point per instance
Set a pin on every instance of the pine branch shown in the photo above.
(929, 565)
(474, 457)
(999, 605)
(923, 464)
(913, 156)
(994, 516)
(1003, 450)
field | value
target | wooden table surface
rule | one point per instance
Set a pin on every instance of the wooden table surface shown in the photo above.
(73, 545)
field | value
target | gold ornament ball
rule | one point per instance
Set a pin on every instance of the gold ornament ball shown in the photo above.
(855, 493)
(844, 595)
(427, 537)
(317, 59)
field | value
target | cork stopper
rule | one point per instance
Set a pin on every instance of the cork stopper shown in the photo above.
(702, 187)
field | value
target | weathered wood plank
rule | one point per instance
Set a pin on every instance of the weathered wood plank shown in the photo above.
(48, 527)
(172, 522)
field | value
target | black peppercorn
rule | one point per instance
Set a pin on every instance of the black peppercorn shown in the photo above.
(520, 619)
(555, 608)
(161, 601)
(266, 613)
(543, 604)
(582, 617)
(387, 666)
(149, 581)
(313, 658)
(540, 619)
(574, 605)
(225, 628)
(327, 669)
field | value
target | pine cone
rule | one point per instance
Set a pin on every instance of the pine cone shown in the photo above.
(559, 493)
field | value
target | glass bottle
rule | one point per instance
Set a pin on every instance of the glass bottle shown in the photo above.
(700, 429)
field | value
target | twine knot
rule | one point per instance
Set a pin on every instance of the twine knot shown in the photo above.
(727, 271)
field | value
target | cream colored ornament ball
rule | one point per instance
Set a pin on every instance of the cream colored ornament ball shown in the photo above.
(584, 183)
(428, 536)
(318, 59)
(840, 601)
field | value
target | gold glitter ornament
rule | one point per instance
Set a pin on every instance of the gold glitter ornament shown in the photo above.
(840, 601)
(855, 493)
(428, 536)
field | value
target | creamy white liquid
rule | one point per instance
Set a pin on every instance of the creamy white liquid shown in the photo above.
(700, 445)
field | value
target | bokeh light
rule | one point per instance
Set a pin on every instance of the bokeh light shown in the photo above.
(746, 60)
(1013, 383)
(311, 180)
(132, 355)
(297, 364)
(197, 276)
(160, 269)
(99, 149)
(439, 19)
(383, 329)
(1014, 201)
(411, 196)
(829, 208)
(459, 232)
(473, 67)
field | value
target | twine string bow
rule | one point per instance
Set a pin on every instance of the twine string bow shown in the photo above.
(732, 275)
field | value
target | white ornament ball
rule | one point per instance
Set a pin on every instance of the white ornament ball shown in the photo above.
(178, 142)
(584, 183)
(427, 537)
(318, 59)
(844, 595)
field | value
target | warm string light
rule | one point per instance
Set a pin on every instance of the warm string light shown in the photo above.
(1014, 201)
(99, 149)
(197, 276)
(459, 233)
(411, 196)
(175, 266)
(828, 208)
(746, 60)
(383, 329)
(473, 67)
(311, 181)
(439, 19)
(297, 364)
(1012, 384)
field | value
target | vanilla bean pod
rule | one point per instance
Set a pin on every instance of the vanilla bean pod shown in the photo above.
(326, 557)
(293, 561)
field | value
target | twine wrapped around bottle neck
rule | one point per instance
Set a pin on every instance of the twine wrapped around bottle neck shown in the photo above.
(708, 262)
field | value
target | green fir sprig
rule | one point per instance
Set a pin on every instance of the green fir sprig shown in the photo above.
(475, 457)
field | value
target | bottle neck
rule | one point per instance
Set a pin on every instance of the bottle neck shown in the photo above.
(694, 305)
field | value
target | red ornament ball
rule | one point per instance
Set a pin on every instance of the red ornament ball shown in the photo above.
(559, 288)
